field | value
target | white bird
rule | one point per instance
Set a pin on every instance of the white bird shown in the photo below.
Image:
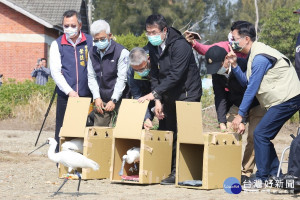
(132, 156)
(70, 159)
(73, 145)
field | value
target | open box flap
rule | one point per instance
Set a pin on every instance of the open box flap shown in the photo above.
(75, 117)
(130, 119)
(189, 122)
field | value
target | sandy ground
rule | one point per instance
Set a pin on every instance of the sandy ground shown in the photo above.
(36, 177)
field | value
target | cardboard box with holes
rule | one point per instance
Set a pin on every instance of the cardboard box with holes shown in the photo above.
(139, 156)
(204, 160)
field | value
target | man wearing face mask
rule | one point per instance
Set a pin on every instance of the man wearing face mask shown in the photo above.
(174, 76)
(138, 79)
(228, 97)
(107, 73)
(68, 64)
(272, 78)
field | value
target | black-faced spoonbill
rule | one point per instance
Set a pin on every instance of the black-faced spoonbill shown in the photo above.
(132, 156)
(70, 159)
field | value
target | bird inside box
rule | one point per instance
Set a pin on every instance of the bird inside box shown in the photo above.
(132, 156)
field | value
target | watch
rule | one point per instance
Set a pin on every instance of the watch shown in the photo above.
(114, 101)
(156, 96)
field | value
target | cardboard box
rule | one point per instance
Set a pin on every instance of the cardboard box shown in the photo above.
(155, 146)
(209, 157)
(97, 141)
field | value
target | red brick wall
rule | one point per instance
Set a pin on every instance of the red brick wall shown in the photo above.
(19, 58)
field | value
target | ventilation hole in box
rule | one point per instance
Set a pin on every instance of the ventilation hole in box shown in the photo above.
(151, 138)
(217, 142)
(224, 141)
(106, 134)
(233, 142)
(165, 139)
(158, 138)
(95, 133)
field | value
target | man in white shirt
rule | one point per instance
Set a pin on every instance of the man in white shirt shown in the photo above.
(68, 64)
(107, 73)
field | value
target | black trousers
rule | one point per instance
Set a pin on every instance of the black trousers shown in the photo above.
(61, 106)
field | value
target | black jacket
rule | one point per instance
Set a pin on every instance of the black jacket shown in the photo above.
(228, 92)
(174, 73)
(297, 56)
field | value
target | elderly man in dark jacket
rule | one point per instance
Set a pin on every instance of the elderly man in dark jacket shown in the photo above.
(174, 76)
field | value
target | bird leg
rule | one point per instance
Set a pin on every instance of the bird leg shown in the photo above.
(65, 180)
(122, 168)
(79, 179)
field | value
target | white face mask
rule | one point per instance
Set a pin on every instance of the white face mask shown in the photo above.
(222, 70)
(70, 32)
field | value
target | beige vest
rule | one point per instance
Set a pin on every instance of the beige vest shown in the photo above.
(280, 83)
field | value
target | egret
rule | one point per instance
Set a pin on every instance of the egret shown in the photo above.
(132, 156)
(74, 145)
(70, 159)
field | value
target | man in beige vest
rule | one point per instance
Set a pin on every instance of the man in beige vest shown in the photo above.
(271, 77)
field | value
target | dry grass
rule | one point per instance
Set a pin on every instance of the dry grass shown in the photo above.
(31, 116)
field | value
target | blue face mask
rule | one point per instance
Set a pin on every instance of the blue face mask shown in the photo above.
(102, 44)
(144, 73)
(155, 40)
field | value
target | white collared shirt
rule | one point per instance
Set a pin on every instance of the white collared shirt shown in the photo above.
(55, 65)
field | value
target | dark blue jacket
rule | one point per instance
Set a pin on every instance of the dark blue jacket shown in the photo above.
(140, 87)
(106, 69)
(74, 64)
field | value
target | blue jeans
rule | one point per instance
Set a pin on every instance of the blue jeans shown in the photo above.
(267, 162)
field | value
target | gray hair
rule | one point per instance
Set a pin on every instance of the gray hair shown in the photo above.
(99, 26)
(137, 55)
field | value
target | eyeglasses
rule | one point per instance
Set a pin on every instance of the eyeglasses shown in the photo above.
(101, 39)
(142, 69)
(152, 33)
(72, 25)
(235, 39)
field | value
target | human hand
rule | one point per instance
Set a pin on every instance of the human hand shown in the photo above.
(231, 57)
(189, 37)
(236, 122)
(241, 129)
(158, 110)
(148, 124)
(110, 106)
(73, 94)
(223, 127)
(99, 105)
(148, 97)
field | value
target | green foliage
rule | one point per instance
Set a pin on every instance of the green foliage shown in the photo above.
(14, 93)
(280, 31)
(130, 41)
(207, 98)
(130, 15)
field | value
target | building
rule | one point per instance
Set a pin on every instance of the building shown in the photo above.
(27, 28)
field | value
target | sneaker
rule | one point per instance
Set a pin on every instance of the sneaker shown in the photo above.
(170, 180)
(244, 178)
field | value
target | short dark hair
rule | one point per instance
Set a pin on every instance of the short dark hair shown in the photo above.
(157, 19)
(43, 59)
(71, 13)
(244, 29)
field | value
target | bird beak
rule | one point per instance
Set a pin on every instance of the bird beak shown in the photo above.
(47, 142)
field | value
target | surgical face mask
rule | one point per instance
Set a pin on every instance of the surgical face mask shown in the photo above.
(70, 32)
(102, 44)
(236, 46)
(144, 73)
(222, 70)
(155, 40)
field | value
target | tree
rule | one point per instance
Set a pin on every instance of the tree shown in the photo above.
(280, 31)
